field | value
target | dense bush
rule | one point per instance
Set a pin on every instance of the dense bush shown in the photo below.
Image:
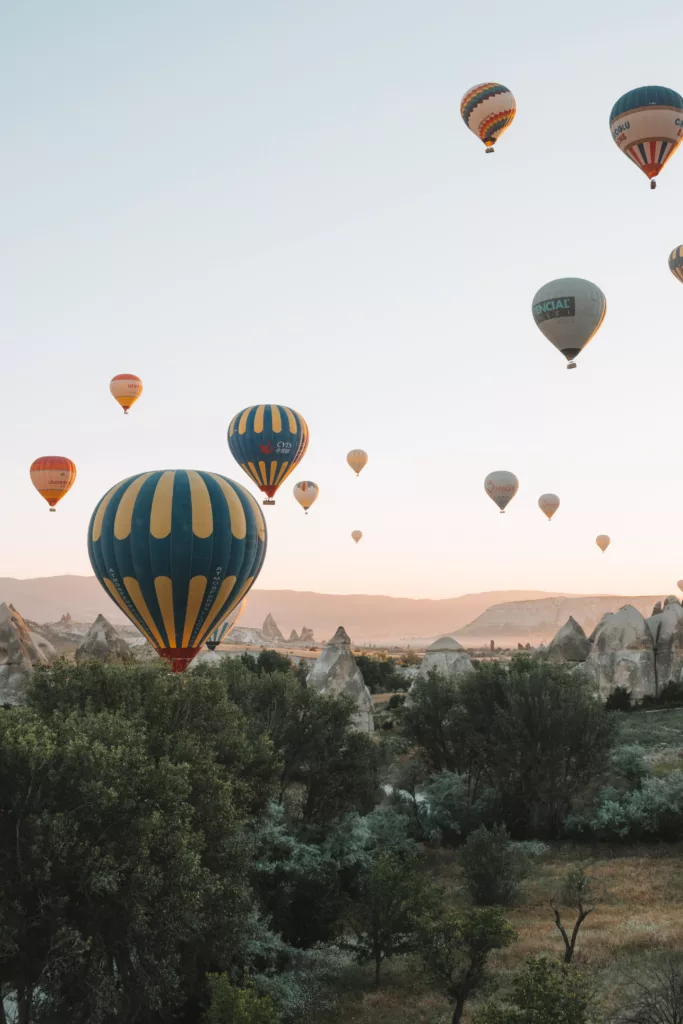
(652, 811)
(544, 992)
(493, 866)
(381, 676)
(619, 699)
(232, 1005)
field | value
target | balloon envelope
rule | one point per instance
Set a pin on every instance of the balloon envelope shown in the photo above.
(501, 487)
(305, 492)
(356, 534)
(646, 125)
(357, 459)
(177, 550)
(268, 441)
(676, 262)
(488, 110)
(569, 311)
(680, 584)
(603, 542)
(227, 626)
(52, 476)
(549, 504)
(126, 389)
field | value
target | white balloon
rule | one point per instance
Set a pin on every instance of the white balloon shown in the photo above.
(549, 504)
(501, 487)
(568, 312)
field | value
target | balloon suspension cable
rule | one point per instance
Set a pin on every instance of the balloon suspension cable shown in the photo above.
(268, 501)
(653, 184)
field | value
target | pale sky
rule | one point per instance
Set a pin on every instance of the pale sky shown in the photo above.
(279, 202)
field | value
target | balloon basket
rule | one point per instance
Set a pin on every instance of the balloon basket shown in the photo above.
(52, 510)
(653, 184)
(490, 149)
(268, 501)
(571, 366)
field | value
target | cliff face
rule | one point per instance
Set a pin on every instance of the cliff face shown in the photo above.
(515, 620)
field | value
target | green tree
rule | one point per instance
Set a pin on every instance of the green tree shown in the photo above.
(493, 866)
(391, 897)
(434, 721)
(544, 992)
(232, 1005)
(380, 675)
(455, 946)
(541, 738)
(270, 661)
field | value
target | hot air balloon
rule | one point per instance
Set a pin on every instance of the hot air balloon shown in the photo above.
(126, 389)
(680, 584)
(268, 441)
(569, 312)
(177, 550)
(52, 476)
(549, 504)
(676, 262)
(227, 625)
(646, 125)
(357, 459)
(305, 492)
(501, 487)
(487, 110)
(356, 534)
(603, 542)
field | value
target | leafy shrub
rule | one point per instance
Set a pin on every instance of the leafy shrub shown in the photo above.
(493, 866)
(628, 762)
(654, 811)
(231, 1005)
(397, 701)
(449, 811)
(544, 992)
(380, 676)
(620, 699)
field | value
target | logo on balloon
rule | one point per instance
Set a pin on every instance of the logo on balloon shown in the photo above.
(550, 309)
(266, 449)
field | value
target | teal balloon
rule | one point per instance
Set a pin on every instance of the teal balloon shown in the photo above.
(177, 550)
(268, 441)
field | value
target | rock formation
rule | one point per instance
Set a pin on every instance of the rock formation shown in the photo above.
(43, 645)
(103, 642)
(294, 637)
(66, 620)
(19, 656)
(570, 644)
(306, 636)
(447, 657)
(622, 654)
(666, 627)
(335, 671)
(270, 629)
(657, 610)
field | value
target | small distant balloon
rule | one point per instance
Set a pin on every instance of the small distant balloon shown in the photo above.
(488, 110)
(501, 487)
(126, 389)
(676, 262)
(305, 492)
(356, 534)
(357, 459)
(52, 476)
(569, 312)
(646, 125)
(680, 584)
(603, 542)
(549, 504)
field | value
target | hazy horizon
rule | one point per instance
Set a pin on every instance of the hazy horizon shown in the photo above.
(281, 203)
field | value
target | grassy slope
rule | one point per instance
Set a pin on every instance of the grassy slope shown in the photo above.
(642, 908)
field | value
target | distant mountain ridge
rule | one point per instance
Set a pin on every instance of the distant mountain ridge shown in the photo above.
(539, 620)
(366, 617)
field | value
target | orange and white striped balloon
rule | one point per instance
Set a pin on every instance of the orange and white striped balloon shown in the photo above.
(52, 476)
(126, 389)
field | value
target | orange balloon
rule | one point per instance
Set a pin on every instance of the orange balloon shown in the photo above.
(52, 476)
(126, 389)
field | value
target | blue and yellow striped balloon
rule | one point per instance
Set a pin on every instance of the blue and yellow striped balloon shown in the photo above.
(268, 441)
(676, 262)
(177, 550)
